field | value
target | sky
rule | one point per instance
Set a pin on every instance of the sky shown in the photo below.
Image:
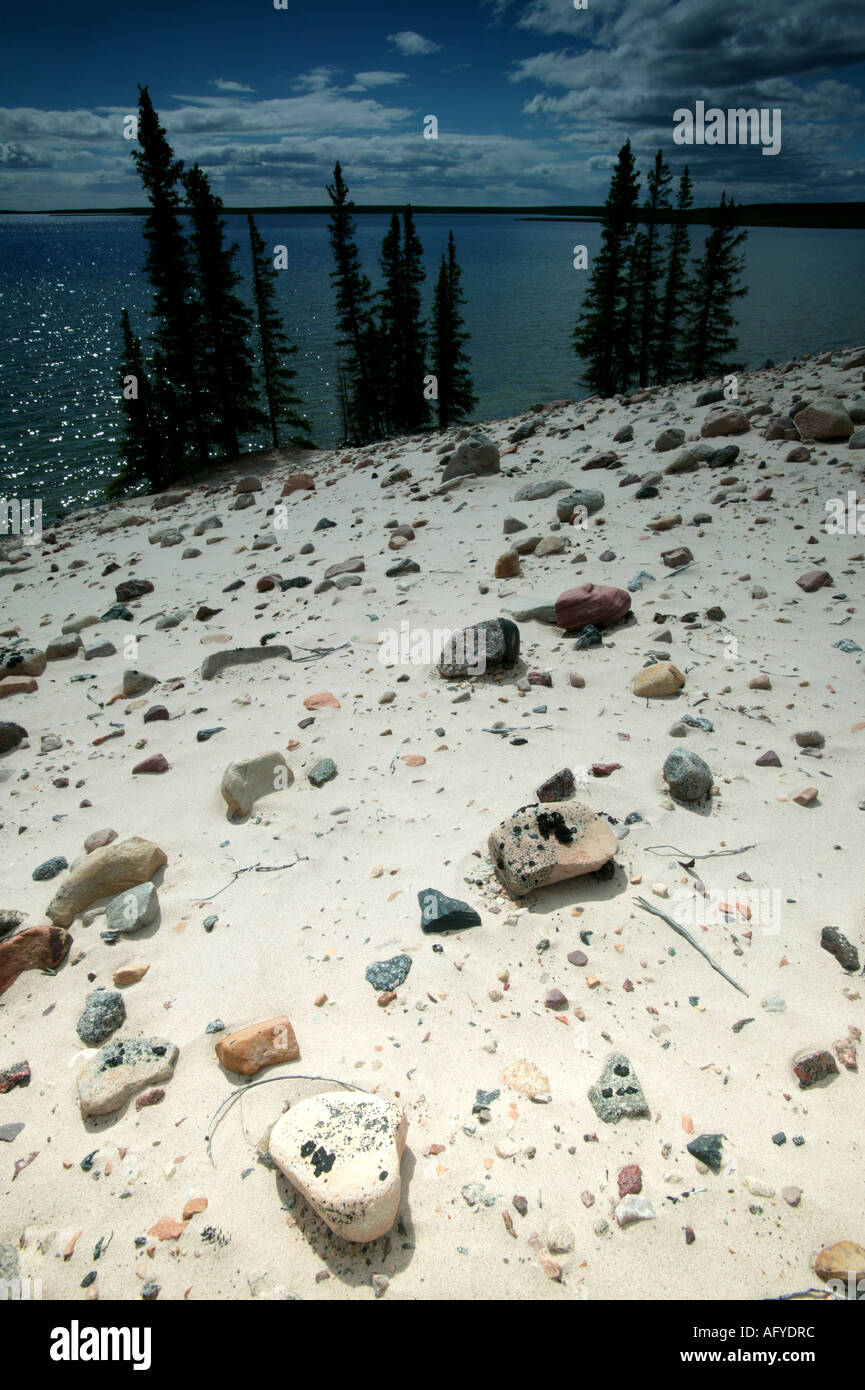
(532, 98)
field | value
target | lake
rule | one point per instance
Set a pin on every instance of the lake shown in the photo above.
(64, 280)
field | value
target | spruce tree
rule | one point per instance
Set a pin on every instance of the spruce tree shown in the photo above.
(358, 334)
(391, 321)
(669, 354)
(450, 364)
(142, 441)
(648, 253)
(414, 407)
(175, 338)
(598, 334)
(715, 285)
(283, 402)
(227, 381)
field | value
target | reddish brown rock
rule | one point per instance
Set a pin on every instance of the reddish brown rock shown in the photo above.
(604, 769)
(555, 1000)
(266, 583)
(679, 555)
(507, 565)
(630, 1180)
(258, 1045)
(807, 797)
(12, 1077)
(814, 579)
(98, 839)
(606, 460)
(167, 1229)
(595, 604)
(768, 759)
(34, 948)
(157, 762)
(298, 482)
(811, 1067)
(17, 685)
(323, 700)
(194, 1206)
(559, 787)
(799, 454)
(130, 974)
(154, 1097)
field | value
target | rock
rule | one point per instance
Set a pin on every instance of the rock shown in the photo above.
(507, 565)
(595, 605)
(632, 1209)
(555, 999)
(248, 484)
(343, 1152)
(120, 1069)
(624, 435)
(50, 869)
(11, 734)
(97, 839)
(688, 776)
(768, 759)
(544, 844)
(441, 913)
(475, 457)
(474, 650)
(560, 787)
(156, 763)
(113, 869)
(655, 681)
(136, 683)
(155, 714)
(678, 556)
(34, 948)
(207, 523)
(550, 545)
(10, 919)
(298, 482)
(686, 461)
(708, 1149)
(354, 566)
(536, 492)
(670, 438)
(131, 910)
(761, 682)
(710, 396)
(217, 662)
(577, 681)
(857, 439)
(323, 771)
(62, 648)
(725, 419)
(618, 1093)
(7, 1134)
(810, 1067)
(810, 738)
(559, 1236)
(323, 699)
(246, 780)
(388, 974)
(846, 954)
(589, 500)
(99, 650)
(131, 589)
(807, 797)
(528, 1079)
(842, 1260)
(22, 661)
(823, 418)
(13, 1077)
(258, 1045)
(608, 459)
(512, 524)
(103, 1014)
(630, 1180)
(117, 612)
(405, 566)
(127, 975)
(792, 1195)
(722, 458)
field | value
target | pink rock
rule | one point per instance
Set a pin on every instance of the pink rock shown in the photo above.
(768, 759)
(595, 604)
(555, 1000)
(601, 461)
(604, 769)
(630, 1180)
(814, 579)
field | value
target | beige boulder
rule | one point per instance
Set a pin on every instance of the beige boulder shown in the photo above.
(343, 1152)
(248, 779)
(103, 874)
(725, 419)
(122, 1067)
(661, 678)
(544, 844)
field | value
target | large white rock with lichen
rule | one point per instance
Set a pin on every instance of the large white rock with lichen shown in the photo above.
(343, 1153)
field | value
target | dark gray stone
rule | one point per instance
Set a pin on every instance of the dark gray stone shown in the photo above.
(836, 943)
(50, 869)
(441, 913)
(387, 974)
(103, 1012)
(688, 776)
(324, 771)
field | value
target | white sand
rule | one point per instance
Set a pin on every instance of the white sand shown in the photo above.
(283, 938)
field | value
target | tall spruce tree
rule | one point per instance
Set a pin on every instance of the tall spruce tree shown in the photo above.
(715, 285)
(450, 363)
(649, 268)
(283, 402)
(227, 380)
(142, 450)
(358, 332)
(598, 334)
(175, 337)
(414, 408)
(391, 320)
(669, 351)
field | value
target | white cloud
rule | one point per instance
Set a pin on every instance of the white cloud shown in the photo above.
(412, 44)
(222, 85)
(377, 79)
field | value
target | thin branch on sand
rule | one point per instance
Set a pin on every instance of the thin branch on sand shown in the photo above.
(656, 912)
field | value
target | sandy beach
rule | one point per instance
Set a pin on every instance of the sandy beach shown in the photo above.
(316, 883)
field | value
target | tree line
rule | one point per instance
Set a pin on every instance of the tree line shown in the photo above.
(650, 315)
(216, 369)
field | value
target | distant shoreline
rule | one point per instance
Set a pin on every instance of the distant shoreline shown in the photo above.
(820, 215)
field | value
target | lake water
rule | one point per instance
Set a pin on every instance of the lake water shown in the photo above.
(64, 280)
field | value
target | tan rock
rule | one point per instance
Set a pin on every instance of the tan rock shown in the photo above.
(507, 565)
(121, 1068)
(528, 1079)
(665, 523)
(544, 844)
(130, 974)
(258, 1045)
(725, 419)
(839, 1260)
(661, 678)
(246, 780)
(103, 874)
(323, 700)
(343, 1152)
(17, 685)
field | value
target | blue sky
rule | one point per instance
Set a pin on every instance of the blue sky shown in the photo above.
(533, 97)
